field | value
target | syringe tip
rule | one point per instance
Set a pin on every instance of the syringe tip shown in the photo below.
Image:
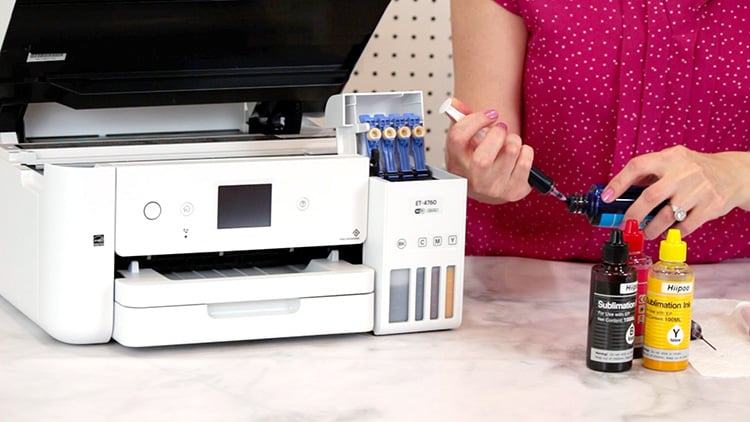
(557, 194)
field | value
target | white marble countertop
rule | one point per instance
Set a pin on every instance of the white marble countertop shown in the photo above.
(519, 355)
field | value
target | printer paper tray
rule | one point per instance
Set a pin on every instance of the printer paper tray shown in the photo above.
(326, 298)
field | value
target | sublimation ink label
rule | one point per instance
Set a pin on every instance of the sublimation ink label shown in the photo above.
(615, 219)
(668, 313)
(613, 325)
(610, 220)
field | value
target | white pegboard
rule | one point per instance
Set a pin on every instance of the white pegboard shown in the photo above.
(411, 51)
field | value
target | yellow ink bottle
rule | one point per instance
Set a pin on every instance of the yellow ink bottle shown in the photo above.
(666, 342)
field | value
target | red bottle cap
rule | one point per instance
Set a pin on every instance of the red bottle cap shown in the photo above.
(633, 236)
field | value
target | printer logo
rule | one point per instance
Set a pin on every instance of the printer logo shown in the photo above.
(98, 240)
(355, 235)
(45, 57)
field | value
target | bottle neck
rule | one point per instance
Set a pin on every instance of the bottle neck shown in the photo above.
(614, 264)
(577, 203)
(668, 262)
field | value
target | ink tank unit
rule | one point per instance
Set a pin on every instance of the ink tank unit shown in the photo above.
(416, 214)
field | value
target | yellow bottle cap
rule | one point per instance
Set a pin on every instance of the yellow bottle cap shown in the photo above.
(673, 248)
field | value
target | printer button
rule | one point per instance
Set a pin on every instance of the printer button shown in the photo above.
(152, 210)
(186, 209)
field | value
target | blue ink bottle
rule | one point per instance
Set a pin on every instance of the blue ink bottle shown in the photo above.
(612, 302)
(603, 214)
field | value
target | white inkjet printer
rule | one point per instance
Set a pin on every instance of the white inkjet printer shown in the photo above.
(188, 171)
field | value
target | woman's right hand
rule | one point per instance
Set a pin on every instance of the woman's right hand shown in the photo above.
(495, 163)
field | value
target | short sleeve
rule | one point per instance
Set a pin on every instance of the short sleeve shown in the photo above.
(511, 5)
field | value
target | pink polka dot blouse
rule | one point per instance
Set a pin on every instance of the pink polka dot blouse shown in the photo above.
(608, 80)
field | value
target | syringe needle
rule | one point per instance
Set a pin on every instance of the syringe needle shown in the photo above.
(711, 345)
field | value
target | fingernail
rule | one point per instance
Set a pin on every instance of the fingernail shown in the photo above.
(607, 194)
(502, 125)
(491, 114)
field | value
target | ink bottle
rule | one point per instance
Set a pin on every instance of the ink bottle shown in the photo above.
(611, 324)
(633, 236)
(666, 340)
(603, 214)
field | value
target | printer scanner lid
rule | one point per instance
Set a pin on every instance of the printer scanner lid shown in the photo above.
(91, 54)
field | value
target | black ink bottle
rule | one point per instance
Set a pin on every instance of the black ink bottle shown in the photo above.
(603, 214)
(612, 301)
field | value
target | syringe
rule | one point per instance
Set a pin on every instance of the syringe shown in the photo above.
(537, 179)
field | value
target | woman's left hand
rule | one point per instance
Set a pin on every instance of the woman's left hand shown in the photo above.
(706, 186)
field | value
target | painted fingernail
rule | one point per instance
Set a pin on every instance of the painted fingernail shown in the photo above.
(491, 114)
(502, 126)
(607, 194)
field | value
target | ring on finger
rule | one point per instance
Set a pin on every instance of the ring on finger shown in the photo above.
(679, 213)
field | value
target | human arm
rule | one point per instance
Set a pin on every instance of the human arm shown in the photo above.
(489, 46)
(706, 185)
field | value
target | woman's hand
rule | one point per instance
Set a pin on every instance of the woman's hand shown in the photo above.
(706, 186)
(495, 162)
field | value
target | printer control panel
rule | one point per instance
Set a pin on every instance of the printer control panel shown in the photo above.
(242, 204)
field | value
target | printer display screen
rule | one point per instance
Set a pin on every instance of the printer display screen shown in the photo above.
(242, 206)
